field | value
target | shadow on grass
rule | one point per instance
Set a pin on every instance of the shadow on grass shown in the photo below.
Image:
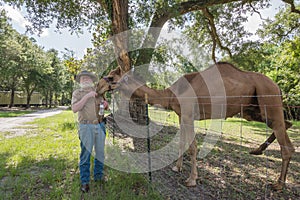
(58, 178)
(228, 171)
(47, 178)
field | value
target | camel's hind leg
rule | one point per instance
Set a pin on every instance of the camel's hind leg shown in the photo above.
(271, 138)
(253, 113)
(263, 146)
(272, 112)
(287, 151)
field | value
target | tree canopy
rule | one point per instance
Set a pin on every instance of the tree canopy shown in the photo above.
(217, 26)
(25, 66)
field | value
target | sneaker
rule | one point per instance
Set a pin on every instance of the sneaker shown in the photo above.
(104, 179)
(85, 188)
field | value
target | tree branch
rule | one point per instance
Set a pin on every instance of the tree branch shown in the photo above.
(104, 5)
(257, 12)
(213, 52)
(287, 33)
(213, 32)
(162, 15)
(293, 7)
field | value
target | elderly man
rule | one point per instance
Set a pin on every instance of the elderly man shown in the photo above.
(91, 127)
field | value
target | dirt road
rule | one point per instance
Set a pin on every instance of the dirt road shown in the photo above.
(14, 124)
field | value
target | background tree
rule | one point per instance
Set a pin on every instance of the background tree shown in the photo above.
(277, 55)
(116, 16)
(217, 25)
(54, 80)
(33, 64)
(25, 65)
(71, 67)
(10, 56)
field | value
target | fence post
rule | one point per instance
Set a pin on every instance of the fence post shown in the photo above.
(113, 115)
(148, 138)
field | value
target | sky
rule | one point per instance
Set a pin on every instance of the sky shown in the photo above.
(79, 43)
(51, 39)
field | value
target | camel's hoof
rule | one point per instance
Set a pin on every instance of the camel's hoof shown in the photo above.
(257, 151)
(176, 169)
(190, 182)
(277, 187)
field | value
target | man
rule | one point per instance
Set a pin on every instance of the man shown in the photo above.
(91, 127)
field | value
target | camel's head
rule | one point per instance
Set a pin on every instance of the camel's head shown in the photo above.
(109, 82)
(130, 82)
(127, 82)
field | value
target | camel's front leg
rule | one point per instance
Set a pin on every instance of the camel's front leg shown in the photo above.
(191, 181)
(178, 166)
(189, 134)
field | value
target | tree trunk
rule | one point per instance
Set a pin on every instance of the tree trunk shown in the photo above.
(12, 97)
(137, 108)
(56, 103)
(28, 98)
(50, 99)
(29, 94)
(46, 100)
(119, 17)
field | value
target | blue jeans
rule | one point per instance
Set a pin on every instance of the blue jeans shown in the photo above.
(91, 135)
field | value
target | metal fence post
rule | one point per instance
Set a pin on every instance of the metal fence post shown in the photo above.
(148, 139)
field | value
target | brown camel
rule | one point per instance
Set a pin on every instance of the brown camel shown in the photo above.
(220, 91)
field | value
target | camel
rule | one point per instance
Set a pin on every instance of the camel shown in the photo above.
(253, 95)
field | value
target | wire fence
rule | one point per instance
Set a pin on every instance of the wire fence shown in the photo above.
(228, 171)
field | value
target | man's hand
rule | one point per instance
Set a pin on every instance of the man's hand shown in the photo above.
(91, 94)
(106, 106)
(80, 104)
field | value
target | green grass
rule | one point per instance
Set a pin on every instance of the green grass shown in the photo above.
(14, 113)
(228, 171)
(43, 164)
(233, 128)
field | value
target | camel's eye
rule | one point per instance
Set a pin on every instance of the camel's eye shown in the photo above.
(110, 79)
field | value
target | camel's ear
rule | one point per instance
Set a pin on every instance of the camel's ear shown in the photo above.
(115, 71)
(118, 70)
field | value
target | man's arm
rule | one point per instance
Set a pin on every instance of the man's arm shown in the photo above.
(80, 104)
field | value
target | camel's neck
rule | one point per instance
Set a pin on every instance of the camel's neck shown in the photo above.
(160, 97)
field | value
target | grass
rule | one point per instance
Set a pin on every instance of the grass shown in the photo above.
(229, 171)
(233, 128)
(14, 113)
(43, 164)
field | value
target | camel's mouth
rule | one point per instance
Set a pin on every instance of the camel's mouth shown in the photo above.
(112, 85)
(116, 85)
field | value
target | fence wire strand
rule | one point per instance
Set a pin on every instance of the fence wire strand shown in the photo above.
(167, 118)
